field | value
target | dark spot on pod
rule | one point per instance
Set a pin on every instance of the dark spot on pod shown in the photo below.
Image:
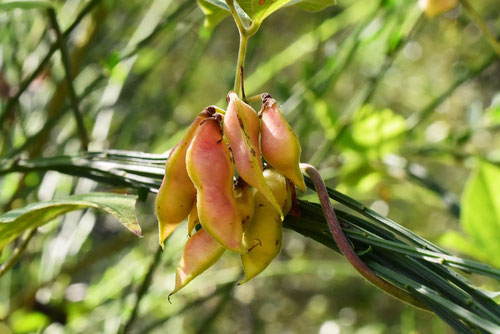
(253, 151)
(277, 242)
(261, 205)
(241, 123)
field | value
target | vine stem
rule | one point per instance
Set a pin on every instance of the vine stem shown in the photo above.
(82, 132)
(344, 245)
(141, 292)
(481, 24)
(16, 254)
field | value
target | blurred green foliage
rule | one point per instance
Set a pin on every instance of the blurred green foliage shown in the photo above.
(394, 108)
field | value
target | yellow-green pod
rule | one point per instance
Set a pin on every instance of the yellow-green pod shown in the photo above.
(244, 195)
(177, 193)
(280, 146)
(241, 128)
(200, 253)
(263, 236)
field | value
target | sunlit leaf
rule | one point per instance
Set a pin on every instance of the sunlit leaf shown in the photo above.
(215, 11)
(15, 222)
(481, 207)
(313, 5)
(257, 10)
(376, 130)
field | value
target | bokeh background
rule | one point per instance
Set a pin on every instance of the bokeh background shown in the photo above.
(395, 108)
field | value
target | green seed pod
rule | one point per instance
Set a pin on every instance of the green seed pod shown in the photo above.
(210, 168)
(280, 146)
(263, 237)
(176, 195)
(244, 195)
(200, 253)
(241, 127)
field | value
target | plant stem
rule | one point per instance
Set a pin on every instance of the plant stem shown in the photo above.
(141, 292)
(255, 98)
(245, 34)
(82, 133)
(481, 24)
(344, 245)
(16, 254)
(43, 63)
(241, 62)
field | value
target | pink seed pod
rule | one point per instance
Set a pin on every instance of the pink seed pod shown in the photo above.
(241, 128)
(280, 146)
(200, 253)
(210, 168)
(176, 195)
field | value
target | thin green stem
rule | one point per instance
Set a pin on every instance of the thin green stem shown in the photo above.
(245, 34)
(16, 254)
(481, 24)
(42, 65)
(236, 17)
(240, 63)
(143, 289)
(82, 132)
(255, 98)
(344, 245)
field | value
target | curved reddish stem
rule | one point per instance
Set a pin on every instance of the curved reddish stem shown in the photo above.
(344, 245)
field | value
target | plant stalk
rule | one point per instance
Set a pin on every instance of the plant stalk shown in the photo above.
(481, 24)
(344, 245)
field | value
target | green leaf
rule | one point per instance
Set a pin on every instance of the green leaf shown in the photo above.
(375, 132)
(15, 222)
(481, 208)
(25, 4)
(215, 11)
(257, 10)
(313, 5)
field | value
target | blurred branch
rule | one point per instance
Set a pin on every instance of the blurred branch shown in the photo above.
(223, 289)
(61, 42)
(142, 290)
(26, 83)
(18, 251)
(368, 91)
(481, 24)
(417, 118)
(205, 326)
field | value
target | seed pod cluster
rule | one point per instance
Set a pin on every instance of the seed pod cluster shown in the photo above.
(216, 178)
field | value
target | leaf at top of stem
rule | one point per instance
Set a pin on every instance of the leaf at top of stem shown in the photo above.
(256, 10)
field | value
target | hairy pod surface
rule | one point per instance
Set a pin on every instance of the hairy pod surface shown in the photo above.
(210, 168)
(200, 253)
(280, 146)
(241, 127)
(263, 236)
(177, 193)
